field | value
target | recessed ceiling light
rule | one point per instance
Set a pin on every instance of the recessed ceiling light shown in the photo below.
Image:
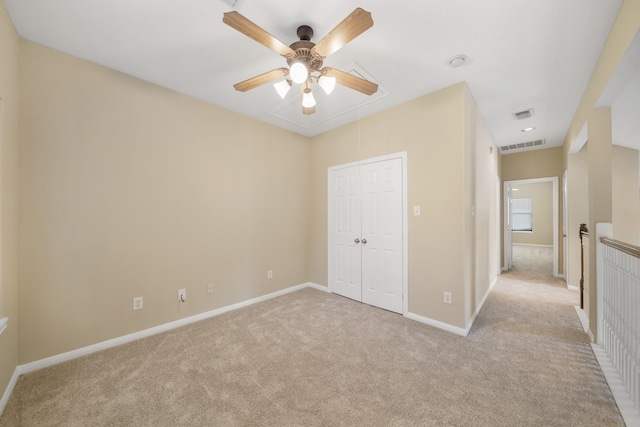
(457, 61)
(528, 129)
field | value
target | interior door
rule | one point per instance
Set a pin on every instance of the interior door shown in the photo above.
(565, 221)
(345, 255)
(508, 227)
(382, 234)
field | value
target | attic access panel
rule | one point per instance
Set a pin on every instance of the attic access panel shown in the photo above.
(341, 101)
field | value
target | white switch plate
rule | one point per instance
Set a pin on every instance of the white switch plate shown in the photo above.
(270, 274)
(210, 288)
(182, 295)
(137, 303)
(416, 210)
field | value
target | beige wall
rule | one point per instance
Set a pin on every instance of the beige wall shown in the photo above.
(537, 164)
(541, 194)
(625, 28)
(9, 51)
(578, 210)
(128, 189)
(431, 129)
(622, 32)
(484, 213)
(625, 196)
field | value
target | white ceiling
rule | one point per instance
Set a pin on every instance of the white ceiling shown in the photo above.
(521, 54)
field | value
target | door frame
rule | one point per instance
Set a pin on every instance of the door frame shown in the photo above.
(565, 222)
(405, 216)
(554, 181)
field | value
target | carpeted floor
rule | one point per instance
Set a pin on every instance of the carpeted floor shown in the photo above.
(315, 359)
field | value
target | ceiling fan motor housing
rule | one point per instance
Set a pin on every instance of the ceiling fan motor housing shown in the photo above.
(303, 51)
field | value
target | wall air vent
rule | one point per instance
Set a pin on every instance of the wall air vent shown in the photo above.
(520, 145)
(524, 114)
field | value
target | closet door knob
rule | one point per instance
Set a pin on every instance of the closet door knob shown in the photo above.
(364, 241)
(357, 240)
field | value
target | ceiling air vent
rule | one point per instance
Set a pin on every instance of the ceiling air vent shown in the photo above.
(524, 114)
(520, 145)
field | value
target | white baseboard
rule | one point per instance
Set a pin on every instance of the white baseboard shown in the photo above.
(3, 323)
(532, 245)
(573, 288)
(630, 414)
(584, 319)
(319, 287)
(7, 392)
(436, 324)
(70, 355)
(479, 307)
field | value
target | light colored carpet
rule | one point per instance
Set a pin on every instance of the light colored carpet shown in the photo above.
(315, 359)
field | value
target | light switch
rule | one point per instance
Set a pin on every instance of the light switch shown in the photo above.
(416, 210)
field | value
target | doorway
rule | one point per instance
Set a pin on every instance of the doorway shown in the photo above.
(367, 231)
(526, 220)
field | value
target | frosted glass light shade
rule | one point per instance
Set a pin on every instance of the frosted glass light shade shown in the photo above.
(282, 87)
(327, 84)
(298, 72)
(308, 100)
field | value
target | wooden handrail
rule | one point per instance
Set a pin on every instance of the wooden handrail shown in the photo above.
(584, 232)
(627, 248)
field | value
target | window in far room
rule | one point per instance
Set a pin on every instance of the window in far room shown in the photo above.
(522, 214)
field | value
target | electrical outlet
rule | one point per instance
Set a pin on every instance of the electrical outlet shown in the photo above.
(270, 274)
(210, 288)
(182, 295)
(447, 298)
(137, 303)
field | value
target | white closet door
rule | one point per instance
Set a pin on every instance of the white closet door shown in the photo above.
(345, 255)
(382, 234)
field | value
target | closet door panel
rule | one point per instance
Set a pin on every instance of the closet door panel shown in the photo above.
(345, 255)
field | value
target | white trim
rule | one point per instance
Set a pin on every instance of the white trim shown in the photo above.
(70, 355)
(629, 412)
(73, 354)
(603, 229)
(3, 324)
(437, 324)
(7, 392)
(531, 244)
(584, 320)
(484, 299)
(554, 181)
(319, 287)
(402, 155)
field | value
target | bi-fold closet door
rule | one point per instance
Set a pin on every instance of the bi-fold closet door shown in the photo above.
(366, 233)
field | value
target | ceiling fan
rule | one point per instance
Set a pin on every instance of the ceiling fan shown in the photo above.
(305, 58)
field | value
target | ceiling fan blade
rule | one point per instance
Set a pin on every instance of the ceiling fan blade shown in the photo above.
(256, 81)
(351, 27)
(351, 81)
(249, 29)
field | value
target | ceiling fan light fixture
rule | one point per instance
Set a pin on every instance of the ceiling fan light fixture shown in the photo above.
(299, 72)
(327, 83)
(283, 87)
(308, 100)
